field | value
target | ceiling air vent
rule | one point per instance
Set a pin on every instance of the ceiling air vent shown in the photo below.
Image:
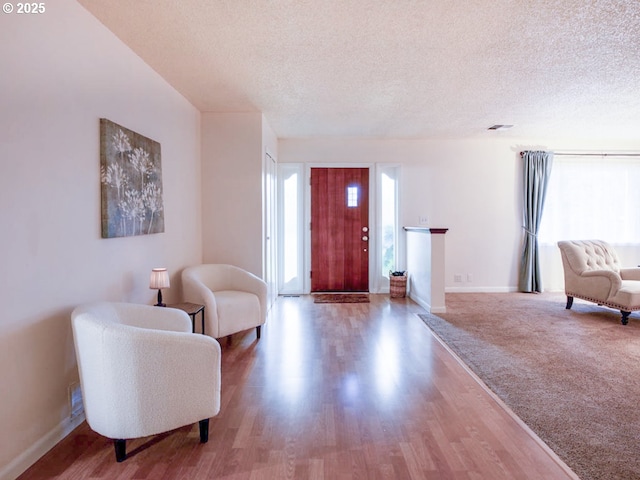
(499, 127)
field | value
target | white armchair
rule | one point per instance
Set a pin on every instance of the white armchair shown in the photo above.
(142, 371)
(592, 272)
(234, 299)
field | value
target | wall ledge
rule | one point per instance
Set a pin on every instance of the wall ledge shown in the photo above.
(426, 230)
(425, 264)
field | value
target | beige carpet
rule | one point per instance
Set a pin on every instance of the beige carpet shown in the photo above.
(572, 375)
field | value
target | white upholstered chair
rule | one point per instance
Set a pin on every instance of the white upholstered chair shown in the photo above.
(142, 371)
(234, 299)
(592, 272)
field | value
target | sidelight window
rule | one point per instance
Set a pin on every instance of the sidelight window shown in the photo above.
(290, 234)
(388, 222)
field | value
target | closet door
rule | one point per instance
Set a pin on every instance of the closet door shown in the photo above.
(270, 264)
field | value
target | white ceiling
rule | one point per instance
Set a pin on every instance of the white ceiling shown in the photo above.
(397, 68)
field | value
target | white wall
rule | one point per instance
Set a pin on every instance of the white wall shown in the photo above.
(419, 266)
(232, 159)
(469, 187)
(233, 150)
(62, 71)
(473, 187)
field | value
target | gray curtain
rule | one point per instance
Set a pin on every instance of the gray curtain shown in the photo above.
(537, 168)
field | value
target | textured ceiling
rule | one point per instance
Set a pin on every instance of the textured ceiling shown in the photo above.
(397, 68)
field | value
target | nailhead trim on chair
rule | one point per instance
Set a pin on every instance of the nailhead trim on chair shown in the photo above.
(605, 303)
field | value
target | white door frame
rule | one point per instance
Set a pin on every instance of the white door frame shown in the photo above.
(377, 282)
(307, 220)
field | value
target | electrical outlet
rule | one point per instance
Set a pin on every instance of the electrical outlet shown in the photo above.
(457, 278)
(469, 277)
(75, 400)
(422, 220)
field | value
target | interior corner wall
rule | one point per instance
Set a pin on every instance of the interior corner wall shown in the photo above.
(419, 267)
(63, 71)
(269, 139)
(232, 160)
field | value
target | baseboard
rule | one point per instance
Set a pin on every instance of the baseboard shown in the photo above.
(32, 454)
(480, 289)
(438, 310)
(420, 301)
(424, 304)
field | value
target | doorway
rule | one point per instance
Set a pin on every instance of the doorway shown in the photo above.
(340, 230)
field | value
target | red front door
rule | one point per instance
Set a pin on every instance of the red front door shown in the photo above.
(340, 229)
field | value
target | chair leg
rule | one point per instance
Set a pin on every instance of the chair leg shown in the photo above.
(625, 317)
(204, 430)
(121, 450)
(569, 302)
(258, 329)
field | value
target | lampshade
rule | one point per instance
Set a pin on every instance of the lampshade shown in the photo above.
(159, 278)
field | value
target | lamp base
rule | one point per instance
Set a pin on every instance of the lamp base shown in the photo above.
(160, 304)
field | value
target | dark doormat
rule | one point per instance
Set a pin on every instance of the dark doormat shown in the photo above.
(341, 298)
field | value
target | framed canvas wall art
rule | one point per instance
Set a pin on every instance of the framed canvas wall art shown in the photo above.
(131, 182)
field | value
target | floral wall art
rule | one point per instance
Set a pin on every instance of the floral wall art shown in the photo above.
(131, 178)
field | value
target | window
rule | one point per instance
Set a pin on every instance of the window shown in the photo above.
(592, 197)
(290, 224)
(290, 228)
(352, 196)
(388, 225)
(389, 251)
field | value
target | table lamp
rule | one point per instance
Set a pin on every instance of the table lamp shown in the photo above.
(159, 280)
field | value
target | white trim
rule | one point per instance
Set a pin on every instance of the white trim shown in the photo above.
(36, 451)
(439, 310)
(420, 301)
(372, 224)
(424, 304)
(480, 289)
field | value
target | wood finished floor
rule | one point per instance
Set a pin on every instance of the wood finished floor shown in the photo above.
(331, 391)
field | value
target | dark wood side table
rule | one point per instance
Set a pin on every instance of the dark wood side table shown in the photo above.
(192, 310)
